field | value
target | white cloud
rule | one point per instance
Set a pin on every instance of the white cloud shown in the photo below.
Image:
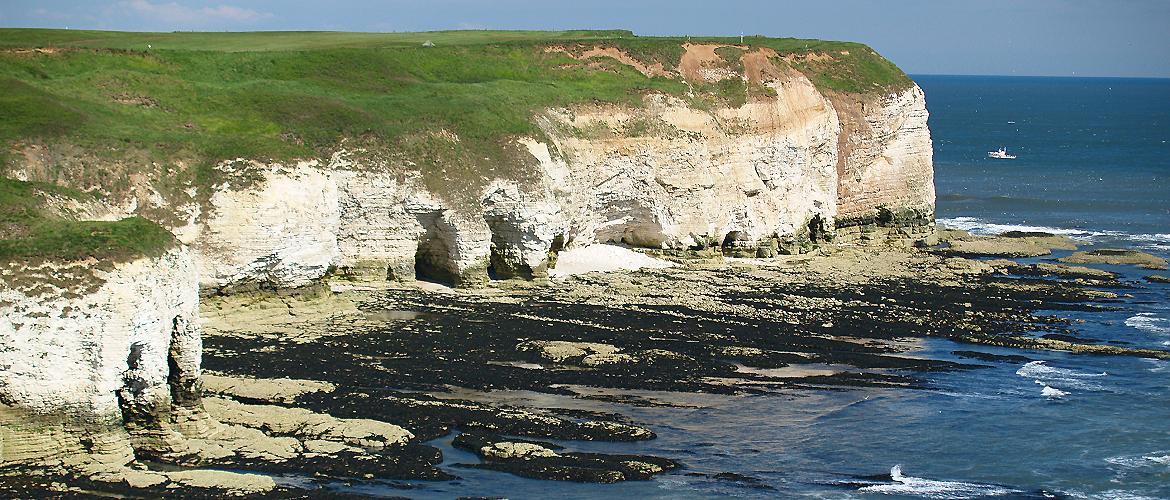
(183, 16)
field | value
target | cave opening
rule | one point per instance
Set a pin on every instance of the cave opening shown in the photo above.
(432, 260)
(554, 251)
(817, 232)
(733, 238)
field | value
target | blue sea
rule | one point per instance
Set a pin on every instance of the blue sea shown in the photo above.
(1093, 155)
(1094, 163)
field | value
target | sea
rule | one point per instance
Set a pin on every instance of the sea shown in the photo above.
(1093, 162)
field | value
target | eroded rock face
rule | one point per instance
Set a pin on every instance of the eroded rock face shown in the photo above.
(885, 169)
(277, 230)
(97, 358)
(771, 176)
(524, 230)
(696, 178)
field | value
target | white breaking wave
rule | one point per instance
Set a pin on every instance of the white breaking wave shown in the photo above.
(1155, 459)
(1051, 392)
(1062, 377)
(929, 488)
(1159, 365)
(975, 225)
(1148, 322)
(1113, 495)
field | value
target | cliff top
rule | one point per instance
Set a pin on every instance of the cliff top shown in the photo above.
(105, 111)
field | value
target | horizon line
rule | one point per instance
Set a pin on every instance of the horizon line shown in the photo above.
(991, 75)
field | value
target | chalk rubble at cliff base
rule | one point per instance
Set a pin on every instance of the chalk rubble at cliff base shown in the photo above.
(602, 258)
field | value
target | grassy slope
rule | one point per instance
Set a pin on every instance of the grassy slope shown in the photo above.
(205, 97)
(28, 231)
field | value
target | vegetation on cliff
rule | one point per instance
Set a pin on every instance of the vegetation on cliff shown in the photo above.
(29, 230)
(101, 111)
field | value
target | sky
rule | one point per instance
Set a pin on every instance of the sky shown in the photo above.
(970, 37)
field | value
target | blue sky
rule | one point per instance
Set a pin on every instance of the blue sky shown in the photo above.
(1034, 37)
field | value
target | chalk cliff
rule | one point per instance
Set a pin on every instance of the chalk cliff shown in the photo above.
(886, 171)
(790, 173)
(747, 151)
(99, 359)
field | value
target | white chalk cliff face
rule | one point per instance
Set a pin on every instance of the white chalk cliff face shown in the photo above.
(96, 357)
(767, 171)
(695, 181)
(888, 158)
(280, 231)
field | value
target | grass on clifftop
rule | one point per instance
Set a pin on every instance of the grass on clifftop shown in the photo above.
(102, 109)
(280, 95)
(29, 231)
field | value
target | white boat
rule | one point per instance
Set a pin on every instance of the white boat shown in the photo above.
(1001, 154)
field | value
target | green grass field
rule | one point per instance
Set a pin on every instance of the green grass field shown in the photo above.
(172, 105)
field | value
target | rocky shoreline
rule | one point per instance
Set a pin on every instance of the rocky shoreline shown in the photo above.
(350, 381)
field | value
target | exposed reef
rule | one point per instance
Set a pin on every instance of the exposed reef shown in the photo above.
(311, 217)
(1117, 257)
(382, 372)
(542, 460)
(1011, 244)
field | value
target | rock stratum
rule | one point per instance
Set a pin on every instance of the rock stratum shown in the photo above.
(775, 187)
(99, 360)
(745, 153)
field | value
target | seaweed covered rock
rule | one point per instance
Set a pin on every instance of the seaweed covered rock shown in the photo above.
(1010, 244)
(542, 460)
(1116, 257)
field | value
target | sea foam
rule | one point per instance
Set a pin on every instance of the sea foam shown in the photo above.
(1050, 376)
(975, 225)
(1051, 392)
(1148, 322)
(929, 488)
(1156, 459)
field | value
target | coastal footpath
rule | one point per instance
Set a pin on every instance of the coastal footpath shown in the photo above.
(138, 180)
